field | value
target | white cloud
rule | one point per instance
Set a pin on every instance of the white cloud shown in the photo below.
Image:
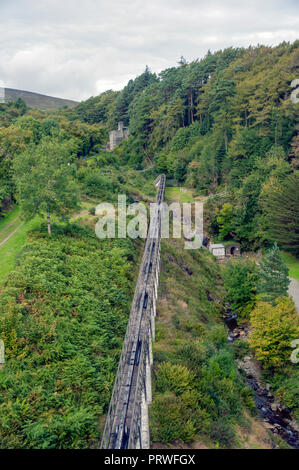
(75, 48)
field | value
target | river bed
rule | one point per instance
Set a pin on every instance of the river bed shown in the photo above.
(275, 417)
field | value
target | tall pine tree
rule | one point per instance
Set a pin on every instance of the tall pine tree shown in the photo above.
(273, 276)
(281, 205)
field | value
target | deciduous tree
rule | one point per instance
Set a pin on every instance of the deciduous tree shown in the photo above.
(274, 328)
(44, 180)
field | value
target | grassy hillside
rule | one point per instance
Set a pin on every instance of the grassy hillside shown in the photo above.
(64, 307)
(63, 314)
(221, 125)
(293, 265)
(37, 100)
(195, 374)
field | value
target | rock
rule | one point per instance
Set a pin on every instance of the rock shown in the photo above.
(267, 387)
(274, 406)
(268, 425)
(235, 333)
(294, 425)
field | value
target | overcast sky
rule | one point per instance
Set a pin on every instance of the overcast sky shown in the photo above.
(79, 48)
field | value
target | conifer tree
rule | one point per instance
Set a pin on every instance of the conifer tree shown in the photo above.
(281, 204)
(273, 276)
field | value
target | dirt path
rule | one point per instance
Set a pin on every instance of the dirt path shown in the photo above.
(9, 225)
(11, 234)
(294, 292)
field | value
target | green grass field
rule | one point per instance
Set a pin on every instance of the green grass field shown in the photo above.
(10, 223)
(179, 194)
(9, 218)
(293, 265)
(11, 248)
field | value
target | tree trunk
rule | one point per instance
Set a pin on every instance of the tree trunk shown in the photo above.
(48, 222)
(191, 106)
(226, 140)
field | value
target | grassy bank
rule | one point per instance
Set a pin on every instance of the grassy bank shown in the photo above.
(180, 194)
(293, 265)
(8, 221)
(200, 399)
(63, 314)
(11, 248)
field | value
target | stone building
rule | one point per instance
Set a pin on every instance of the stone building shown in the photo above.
(116, 136)
(225, 250)
(232, 249)
(218, 250)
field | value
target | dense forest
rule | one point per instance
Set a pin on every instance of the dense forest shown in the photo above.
(223, 126)
(223, 123)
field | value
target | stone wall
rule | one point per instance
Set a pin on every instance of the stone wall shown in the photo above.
(118, 135)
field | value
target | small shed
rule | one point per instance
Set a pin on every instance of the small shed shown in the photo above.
(217, 250)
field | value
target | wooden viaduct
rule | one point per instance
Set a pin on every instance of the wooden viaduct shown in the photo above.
(127, 424)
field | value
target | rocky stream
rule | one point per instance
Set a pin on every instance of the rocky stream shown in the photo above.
(275, 416)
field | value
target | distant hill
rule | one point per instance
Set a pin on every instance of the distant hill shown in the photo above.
(36, 100)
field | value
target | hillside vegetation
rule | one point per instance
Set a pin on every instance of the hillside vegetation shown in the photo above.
(200, 398)
(223, 126)
(37, 100)
(225, 122)
(63, 314)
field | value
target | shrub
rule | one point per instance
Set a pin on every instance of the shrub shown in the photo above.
(173, 377)
(171, 420)
(240, 348)
(274, 327)
(240, 284)
(288, 391)
(222, 433)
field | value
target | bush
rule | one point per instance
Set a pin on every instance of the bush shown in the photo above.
(173, 377)
(171, 420)
(222, 433)
(288, 391)
(240, 284)
(273, 329)
(217, 336)
(240, 348)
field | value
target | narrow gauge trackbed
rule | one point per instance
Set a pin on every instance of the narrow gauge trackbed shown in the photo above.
(127, 420)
